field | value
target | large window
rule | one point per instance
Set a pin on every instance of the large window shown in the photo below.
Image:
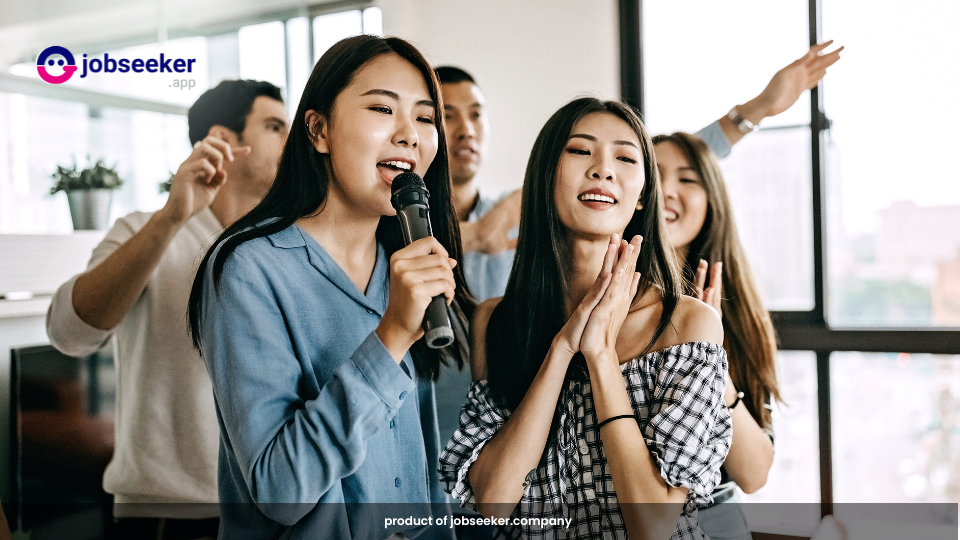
(895, 436)
(849, 218)
(42, 133)
(695, 70)
(894, 221)
(793, 477)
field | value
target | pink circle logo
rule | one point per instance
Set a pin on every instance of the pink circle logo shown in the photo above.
(56, 59)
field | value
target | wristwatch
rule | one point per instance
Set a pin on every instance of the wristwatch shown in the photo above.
(743, 125)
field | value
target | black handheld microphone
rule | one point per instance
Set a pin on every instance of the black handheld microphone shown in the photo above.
(411, 200)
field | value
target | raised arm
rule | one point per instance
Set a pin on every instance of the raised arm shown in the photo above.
(498, 475)
(751, 452)
(637, 476)
(490, 234)
(780, 94)
(104, 295)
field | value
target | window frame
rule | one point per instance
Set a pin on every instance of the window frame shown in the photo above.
(801, 330)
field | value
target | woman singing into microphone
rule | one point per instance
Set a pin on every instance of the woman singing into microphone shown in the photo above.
(308, 310)
(598, 386)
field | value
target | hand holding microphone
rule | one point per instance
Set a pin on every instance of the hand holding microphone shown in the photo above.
(421, 276)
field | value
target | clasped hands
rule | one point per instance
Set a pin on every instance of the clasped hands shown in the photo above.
(594, 325)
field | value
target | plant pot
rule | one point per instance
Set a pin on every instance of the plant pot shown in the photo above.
(90, 208)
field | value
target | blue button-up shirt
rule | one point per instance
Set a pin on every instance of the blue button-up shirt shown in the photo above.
(311, 406)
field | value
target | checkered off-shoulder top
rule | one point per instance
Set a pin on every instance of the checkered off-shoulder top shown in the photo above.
(677, 396)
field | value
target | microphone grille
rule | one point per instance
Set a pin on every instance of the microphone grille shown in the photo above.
(407, 180)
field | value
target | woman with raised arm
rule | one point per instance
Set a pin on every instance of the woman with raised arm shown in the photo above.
(700, 225)
(598, 393)
(308, 312)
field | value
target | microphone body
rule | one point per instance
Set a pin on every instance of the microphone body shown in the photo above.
(410, 198)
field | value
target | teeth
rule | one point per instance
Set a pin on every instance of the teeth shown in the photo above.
(398, 164)
(596, 197)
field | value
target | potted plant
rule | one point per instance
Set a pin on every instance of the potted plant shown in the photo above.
(89, 193)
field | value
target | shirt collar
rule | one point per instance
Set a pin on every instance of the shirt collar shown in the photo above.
(378, 290)
(291, 237)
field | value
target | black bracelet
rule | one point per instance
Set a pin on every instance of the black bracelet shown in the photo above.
(736, 401)
(608, 420)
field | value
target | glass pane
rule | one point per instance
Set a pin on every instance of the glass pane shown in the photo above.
(695, 69)
(894, 221)
(145, 147)
(298, 46)
(373, 21)
(263, 53)
(329, 29)
(795, 476)
(895, 419)
(769, 183)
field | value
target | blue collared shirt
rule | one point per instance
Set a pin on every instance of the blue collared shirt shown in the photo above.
(716, 139)
(311, 406)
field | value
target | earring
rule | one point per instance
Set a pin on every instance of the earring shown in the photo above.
(639, 205)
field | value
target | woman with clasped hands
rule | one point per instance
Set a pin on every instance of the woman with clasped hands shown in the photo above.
(598, 386)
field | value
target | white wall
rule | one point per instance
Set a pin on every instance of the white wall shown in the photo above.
(529, 57)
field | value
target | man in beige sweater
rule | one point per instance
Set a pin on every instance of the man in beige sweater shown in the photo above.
(163, 474)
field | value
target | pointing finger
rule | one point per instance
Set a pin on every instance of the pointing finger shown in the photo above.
(700, 278)
(637, 243)
(210, 153)
(240, 151)
(609, 259)
(221, 145)
(635, 285)
(815, 50)
(716, 278)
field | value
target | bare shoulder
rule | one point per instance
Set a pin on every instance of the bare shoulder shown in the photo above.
(478, 337)
(695, 321)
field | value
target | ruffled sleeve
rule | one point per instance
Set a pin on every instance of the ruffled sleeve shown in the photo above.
(688, 429)
(480, 420)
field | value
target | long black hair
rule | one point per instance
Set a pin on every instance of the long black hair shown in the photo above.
(748, 334)
(300, 190)
(524, 323)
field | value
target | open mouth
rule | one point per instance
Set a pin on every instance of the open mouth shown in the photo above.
(670, 215)
(391, 168)
(596, 197)
(464, 153)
